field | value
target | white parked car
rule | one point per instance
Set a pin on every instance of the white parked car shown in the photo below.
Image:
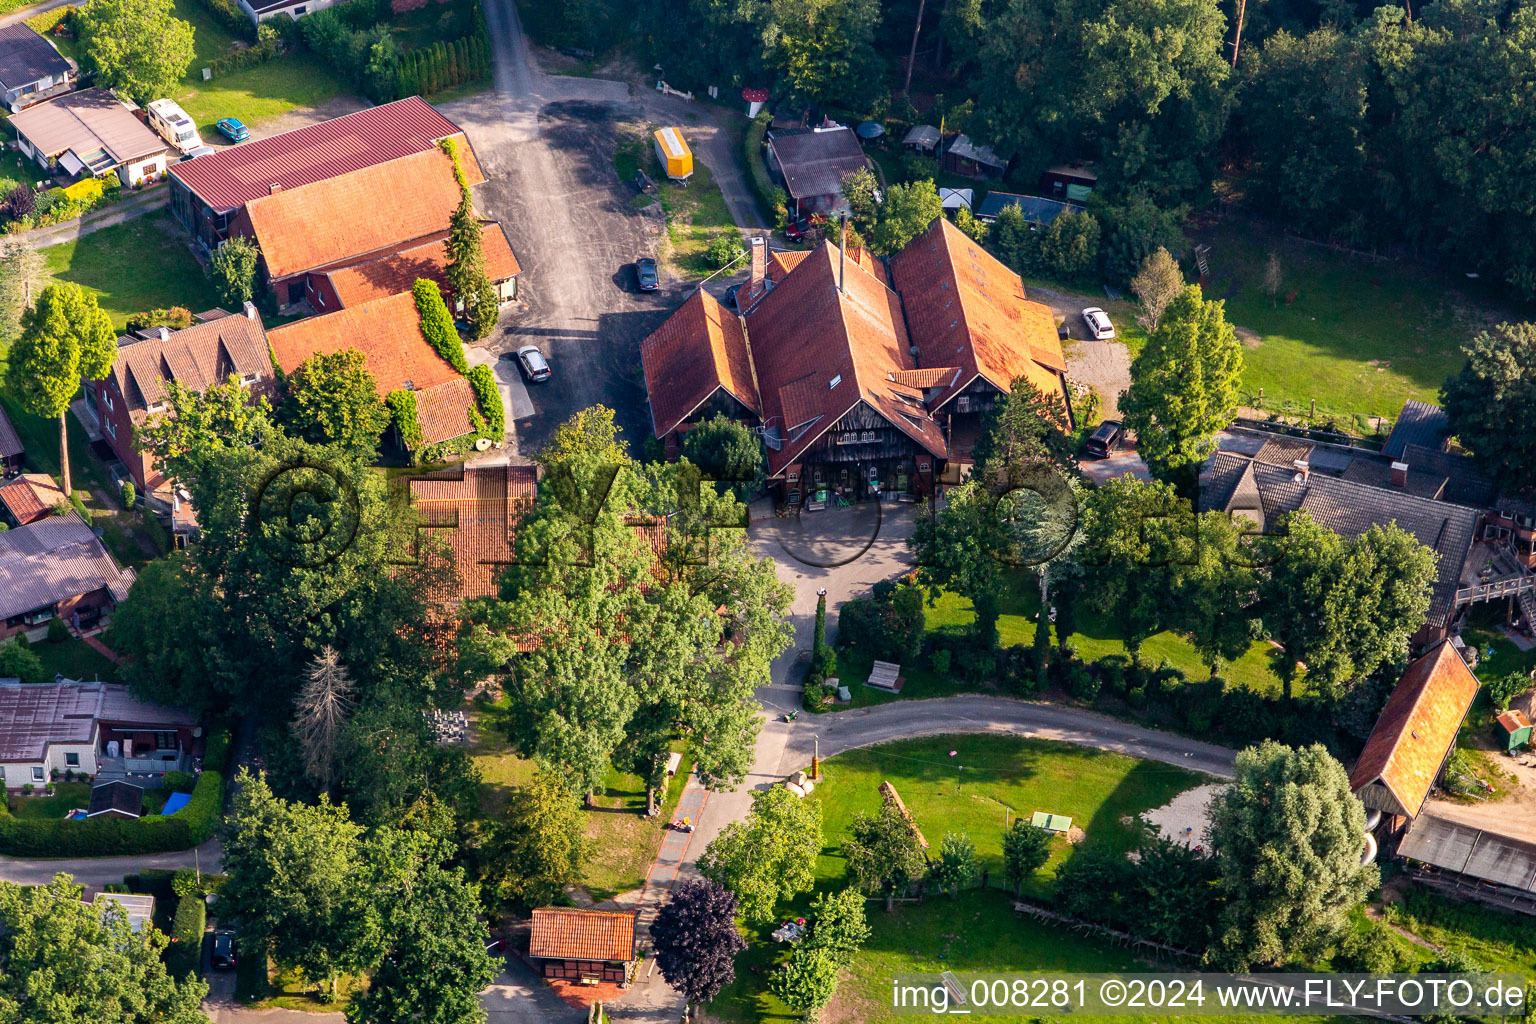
(1099, 327)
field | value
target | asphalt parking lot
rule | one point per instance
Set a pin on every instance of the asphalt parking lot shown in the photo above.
(576, 234)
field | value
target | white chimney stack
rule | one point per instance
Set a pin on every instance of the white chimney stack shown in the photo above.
(165, 333)
(250, 310)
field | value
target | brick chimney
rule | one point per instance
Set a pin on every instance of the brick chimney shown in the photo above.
(759, 272)
(250, 310)
(1303, 470)
(274, 188)
(1400, 475)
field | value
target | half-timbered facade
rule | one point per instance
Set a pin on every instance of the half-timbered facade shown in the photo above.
(865, 378)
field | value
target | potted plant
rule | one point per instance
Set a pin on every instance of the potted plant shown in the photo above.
(54, 775)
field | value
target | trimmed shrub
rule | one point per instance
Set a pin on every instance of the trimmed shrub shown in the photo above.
(58, 629)
(437, 324)
(216, 752)
(939, 661)
(483, 380)
(128, 494)
(185, 952)
(179, 782)
(402, 407)
(86, 190)
(204, 811)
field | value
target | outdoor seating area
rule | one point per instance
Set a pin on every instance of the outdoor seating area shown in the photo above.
(885, 675)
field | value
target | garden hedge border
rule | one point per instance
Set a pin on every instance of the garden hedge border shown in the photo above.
(191, 826)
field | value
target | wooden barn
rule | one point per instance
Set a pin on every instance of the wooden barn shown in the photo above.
(588, 947)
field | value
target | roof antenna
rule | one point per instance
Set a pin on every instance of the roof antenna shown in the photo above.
(842, 250)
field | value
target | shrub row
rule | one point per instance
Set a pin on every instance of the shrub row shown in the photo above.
(216, 752)
(269, 44)
(402, 407)
(489, 396)
(228, 14)
(443, 65)
(772, 199)
(57, 205)
(105, 837)
(185, 952)
(437, 324)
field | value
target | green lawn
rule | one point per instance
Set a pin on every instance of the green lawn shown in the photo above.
(139, 264)
(622, 841)
(1360, 336)
(66, 797)
(260, 93)
(75, 659)
(1496, 940)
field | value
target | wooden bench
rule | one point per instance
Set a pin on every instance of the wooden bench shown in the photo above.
(885, 676)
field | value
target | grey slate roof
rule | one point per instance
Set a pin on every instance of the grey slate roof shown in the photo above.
(116, 796)
(1419, 423)
(1035, 209)
(53, 559)
(33, 716)
(27, 57)
(966, 149)
(925, 136)
(1350, 508)
(10, 444)
(814, 163)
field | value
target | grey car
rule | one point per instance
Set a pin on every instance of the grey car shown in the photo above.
(645, 274)
(533, 364)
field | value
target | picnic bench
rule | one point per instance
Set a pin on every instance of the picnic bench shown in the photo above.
(885, 675)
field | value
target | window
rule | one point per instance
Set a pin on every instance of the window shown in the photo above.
(111, 406)
(300, 10)
(37, 773)
(250, 378)
(72, 760)
(963, 403)
(111, 428)
(165, 741)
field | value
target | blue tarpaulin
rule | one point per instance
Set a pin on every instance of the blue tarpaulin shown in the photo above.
(175, 802)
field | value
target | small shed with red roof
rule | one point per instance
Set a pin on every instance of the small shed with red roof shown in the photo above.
(584, 946)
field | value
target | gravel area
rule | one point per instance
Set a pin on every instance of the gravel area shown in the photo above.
(1185, 819)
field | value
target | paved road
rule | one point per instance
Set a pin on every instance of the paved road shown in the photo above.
(149, 201)
(27, 12)
(100, 871)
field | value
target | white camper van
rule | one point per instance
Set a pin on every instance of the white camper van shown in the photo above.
(173, 125)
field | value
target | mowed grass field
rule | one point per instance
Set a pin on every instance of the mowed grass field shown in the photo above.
(696, 212)
(140, 264)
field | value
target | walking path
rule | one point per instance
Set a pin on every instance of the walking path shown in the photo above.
(106, 652)
(26, 12)
(147, 201)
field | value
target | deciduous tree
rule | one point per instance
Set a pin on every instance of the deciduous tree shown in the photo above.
(696, 939)
(906, 213)
(769, 856)
(1135, 535)
(1025, 851)
(838, 924)
(65, 338)
(883, 852)
(1491, 402)
(332, 399)
(232, 269)
(1184, 387)
(730, 452)
(535, 850)
(1288, 835)
(806, 981)
(957, 866)
(1156, 285)
(138, 47)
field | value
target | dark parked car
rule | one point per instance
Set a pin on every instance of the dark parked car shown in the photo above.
(643, 182)
(223, 956)
(645, 274)
(1105, 439)
(533, 364)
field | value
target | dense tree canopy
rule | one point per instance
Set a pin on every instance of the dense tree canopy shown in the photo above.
(1491, 403)
(696, 939)
(138, 47)
(768, 857)
(332, 399)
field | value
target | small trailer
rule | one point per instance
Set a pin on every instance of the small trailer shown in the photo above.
(673, 152)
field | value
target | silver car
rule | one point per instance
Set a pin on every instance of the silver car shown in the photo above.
(533, 364)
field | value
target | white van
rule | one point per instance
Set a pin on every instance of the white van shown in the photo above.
(173, 125)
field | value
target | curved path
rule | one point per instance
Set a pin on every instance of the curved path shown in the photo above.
(97, 872)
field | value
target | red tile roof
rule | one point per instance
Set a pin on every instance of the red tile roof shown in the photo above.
(31, 496)
(698, 350)
(968, 310)
(396, 269)
(365, 211)
(236, 175)
(443, 410)
(475, 511)
(566, 933)
(386, 331)
(819, 352)
(197, 357)
(10, 444)
(1417, 728)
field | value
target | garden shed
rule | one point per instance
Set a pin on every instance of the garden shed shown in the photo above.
(1516, 729)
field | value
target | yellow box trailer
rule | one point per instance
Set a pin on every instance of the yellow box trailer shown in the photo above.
(675, 156)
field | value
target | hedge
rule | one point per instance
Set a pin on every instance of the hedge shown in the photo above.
(216, 752)
(770, 197)
(107, 837)
(489, 396)
(269, 45)
(437, 324)
(402, 406)
(228, 14)
(185, 953)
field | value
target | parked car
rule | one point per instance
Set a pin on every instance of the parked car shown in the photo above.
(193, 154)
(797, 229)
(533, 364)
(645, 274)
(643, 182)
(232, 129)
(222, 958)
(1098, 323)
(1105, 439)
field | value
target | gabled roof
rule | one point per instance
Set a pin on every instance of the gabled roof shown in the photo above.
(85, 122)
(475, 511)
(1419, 423)
(10, 444)
(394, 270)
(963, 147)
(197, 358)
(819, 352)
(814, 161)
(568, 933)
(117, 796)
(968, 310)
(924, 135)
(31, 496)
(26, 57)
(1233, 482)
(238, 174)
(443, 410)
(698, 350)
(53, 559)
(367, 210)
(1417, 728)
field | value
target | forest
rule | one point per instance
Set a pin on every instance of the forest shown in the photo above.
(1396, 128)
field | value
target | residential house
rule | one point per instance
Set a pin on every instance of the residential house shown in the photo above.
(90, 133)
(116, 799)
(11, 448)
(31, 68)
(28, 498)
(219, 345)
(93, 729)
(812, 163)
(1073, 183)
(583, 946)
(208, 192)
(387, 332)
(972, 159)
(57, 567)
(865, 380)
(474, 511)
(1037, 212)
(395, 269)
(1414, 735)
(261, 10)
